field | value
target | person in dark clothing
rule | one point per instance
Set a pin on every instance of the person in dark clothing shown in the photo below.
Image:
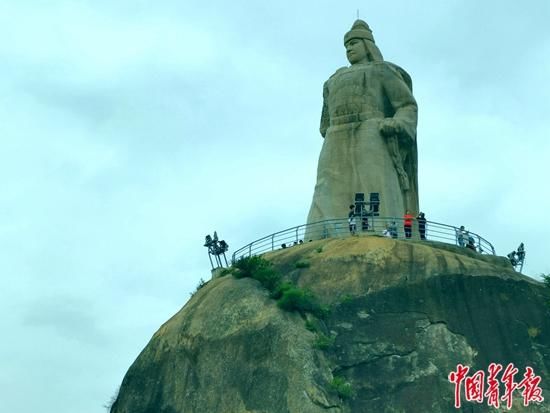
(471, 242)
(421, 219)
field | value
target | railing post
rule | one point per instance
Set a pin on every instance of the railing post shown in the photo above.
(272, 242)
(372, 223)
(479, 243)
(250, 250)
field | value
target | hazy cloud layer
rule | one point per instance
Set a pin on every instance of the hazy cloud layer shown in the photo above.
(130, 129)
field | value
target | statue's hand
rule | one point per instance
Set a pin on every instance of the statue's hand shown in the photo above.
(390, 127)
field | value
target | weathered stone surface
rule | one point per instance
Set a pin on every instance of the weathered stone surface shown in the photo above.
(404, 314)
(368, 121)
(230, 349)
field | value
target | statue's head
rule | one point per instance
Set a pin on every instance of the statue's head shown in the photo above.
(359, 43)
(356, 51)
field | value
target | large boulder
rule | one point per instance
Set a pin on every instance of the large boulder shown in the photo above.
(403, 315)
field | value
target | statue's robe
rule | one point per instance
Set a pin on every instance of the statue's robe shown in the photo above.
(355, 156)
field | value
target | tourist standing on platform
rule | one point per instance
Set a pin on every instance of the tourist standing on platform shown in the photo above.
(421, 218)
(460, 236)
(351, 220)
(407, 223)
(471, 242)
(393, 229)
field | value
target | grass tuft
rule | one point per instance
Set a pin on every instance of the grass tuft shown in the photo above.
(323, 342)
(342, 388)
(259, 269)
(288, 296)
(302, 264)
(533, 332)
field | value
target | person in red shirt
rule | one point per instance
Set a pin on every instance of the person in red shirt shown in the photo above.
(407, 223)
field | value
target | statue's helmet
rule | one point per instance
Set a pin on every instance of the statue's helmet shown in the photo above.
(359, 30)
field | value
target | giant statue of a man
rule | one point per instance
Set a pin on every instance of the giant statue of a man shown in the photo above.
(369, 127)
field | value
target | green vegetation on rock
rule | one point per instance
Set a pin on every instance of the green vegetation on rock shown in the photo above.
(109, 405)
(281, 289)
(323, 342)
(341, 387)
(297, 299)
(201, 284)
(289, 297)
(259, 269)
(310, 326)
(346, 299)
(386, 330)
(533, 332)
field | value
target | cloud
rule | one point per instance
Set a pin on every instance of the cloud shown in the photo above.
(68, 317)
(131, 130)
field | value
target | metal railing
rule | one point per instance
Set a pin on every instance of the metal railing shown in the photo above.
(373, 225)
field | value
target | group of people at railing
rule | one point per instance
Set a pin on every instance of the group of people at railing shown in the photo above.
(391, 227)
(364, 217)
(463, 237)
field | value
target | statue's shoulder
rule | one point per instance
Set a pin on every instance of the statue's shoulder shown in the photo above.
(395, 70)
(339, 71)
(333, 77)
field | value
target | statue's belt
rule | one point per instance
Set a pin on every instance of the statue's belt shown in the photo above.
(355, 117)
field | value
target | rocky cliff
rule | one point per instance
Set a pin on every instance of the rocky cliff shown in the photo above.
(402, 315)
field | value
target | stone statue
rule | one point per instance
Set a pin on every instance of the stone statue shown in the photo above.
(368, 123)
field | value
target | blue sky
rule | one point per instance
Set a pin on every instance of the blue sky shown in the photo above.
(131, 129)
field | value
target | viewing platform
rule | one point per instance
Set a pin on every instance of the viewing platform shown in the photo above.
(390, 227)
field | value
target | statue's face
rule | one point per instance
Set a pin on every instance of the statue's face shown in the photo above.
(356, 51)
